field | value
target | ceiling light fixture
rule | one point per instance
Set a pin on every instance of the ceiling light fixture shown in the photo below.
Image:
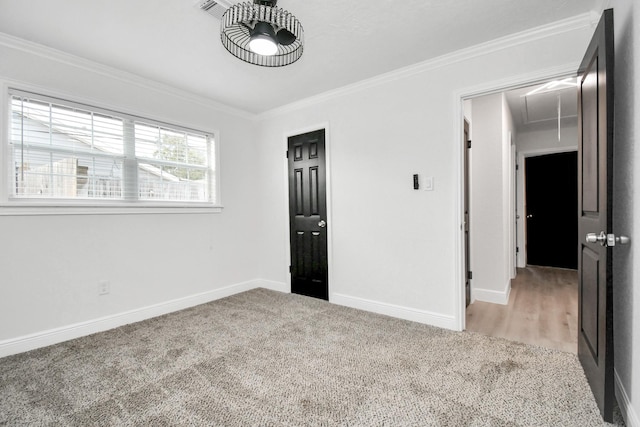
(262, 34)
(556, 85)
(263, 39)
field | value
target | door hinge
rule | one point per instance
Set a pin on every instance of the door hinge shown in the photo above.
(517, 249)
(470, 275)
(517, 167)
(290, 269)
(287, 154)
(469, 144)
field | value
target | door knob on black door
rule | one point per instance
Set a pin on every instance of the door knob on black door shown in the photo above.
(322, 223)
(595, 238)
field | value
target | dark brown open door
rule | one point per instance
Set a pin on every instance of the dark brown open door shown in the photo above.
(308, 214)
(595, 164)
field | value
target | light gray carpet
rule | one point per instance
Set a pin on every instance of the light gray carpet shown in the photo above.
(263, 358)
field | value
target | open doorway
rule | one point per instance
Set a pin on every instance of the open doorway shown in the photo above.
(551, 203)
(516, 292)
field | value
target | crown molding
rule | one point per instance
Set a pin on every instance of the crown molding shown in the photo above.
(577, 22)
(47, 52)
(585, 20)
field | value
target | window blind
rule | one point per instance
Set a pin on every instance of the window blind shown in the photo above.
(64, 150)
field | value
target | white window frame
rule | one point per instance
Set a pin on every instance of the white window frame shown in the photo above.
(51, 206)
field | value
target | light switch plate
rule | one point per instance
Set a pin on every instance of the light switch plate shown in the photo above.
(428, 183)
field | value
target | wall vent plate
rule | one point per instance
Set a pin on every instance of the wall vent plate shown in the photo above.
(215, 8)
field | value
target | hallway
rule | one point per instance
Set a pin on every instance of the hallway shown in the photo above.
(542, 310)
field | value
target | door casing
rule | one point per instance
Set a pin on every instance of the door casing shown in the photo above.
(467, 212)
(459, 98)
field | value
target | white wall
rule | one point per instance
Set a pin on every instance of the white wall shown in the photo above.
(394, 248)
(51, 264)
(467, 107)
(626, 208)
(543, 136)
(535, 140)
(489, 221)
(492, 199)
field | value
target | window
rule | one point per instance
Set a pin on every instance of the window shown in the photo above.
(61, 151)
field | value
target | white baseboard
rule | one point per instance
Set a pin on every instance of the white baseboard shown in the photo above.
(406, 313)
(629, 414)
(273, 285)
(489, 295)
(76, 330)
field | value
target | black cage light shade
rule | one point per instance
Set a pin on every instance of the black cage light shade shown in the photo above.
(262, 34)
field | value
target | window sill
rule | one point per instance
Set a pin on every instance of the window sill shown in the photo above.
(23, 209)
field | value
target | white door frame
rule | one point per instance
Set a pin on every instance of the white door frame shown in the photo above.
(542, 76)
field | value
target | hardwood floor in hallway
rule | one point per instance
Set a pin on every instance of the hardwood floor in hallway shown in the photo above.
(542, 310)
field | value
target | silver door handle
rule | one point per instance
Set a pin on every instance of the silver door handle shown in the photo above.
(607, 239)
(612, 239)
(597, 238)
(322, 223)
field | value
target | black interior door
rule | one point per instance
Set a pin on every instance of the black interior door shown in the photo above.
(595, 173)
(551, 192)
(308, 214)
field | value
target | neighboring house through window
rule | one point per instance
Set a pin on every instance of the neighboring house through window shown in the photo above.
(65, 151)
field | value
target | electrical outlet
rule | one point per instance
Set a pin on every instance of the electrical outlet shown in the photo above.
(103, 287)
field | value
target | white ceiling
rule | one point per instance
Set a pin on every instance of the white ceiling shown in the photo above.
(530, 108)
(176, 43)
